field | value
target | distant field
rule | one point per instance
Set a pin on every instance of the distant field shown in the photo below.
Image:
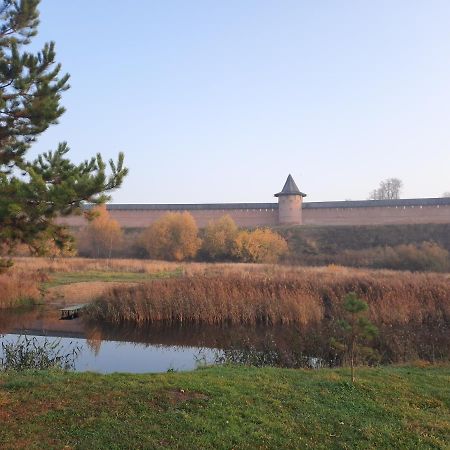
(63, 278)
(228, 407)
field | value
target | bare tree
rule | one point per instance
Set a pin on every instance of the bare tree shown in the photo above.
(446, 194)
(389, 189)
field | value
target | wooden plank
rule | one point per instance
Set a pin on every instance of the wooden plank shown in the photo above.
(74, 307)
(71, 312)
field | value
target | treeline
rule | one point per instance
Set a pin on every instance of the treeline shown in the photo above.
(176, 237)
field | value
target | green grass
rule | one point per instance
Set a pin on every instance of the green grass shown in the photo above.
(62, 278)
(228, 407)
(25, 303)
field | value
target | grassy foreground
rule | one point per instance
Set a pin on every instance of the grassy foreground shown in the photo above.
(227, 407)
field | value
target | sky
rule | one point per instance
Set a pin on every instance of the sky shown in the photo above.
(218, 101)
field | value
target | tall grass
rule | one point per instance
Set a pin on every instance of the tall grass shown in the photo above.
(18, 287)
(299, 297)
(23, 281)
(31, 353)
(51, 265)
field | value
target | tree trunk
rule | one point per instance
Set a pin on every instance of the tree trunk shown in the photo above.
(352, 368)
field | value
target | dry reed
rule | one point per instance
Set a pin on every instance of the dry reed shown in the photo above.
(303, 297)
(17, 287)
(51, 265)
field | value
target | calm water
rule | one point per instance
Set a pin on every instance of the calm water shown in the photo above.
(107, 349)
(115, 356)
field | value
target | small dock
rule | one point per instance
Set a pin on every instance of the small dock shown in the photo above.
(72, 312)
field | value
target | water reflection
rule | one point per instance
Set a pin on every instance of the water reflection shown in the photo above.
(107, 348)
(114, 356)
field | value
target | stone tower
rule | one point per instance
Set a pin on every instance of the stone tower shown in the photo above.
(290, 203)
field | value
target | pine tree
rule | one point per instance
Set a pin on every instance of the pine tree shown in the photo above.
(356, 329)
(34, 193)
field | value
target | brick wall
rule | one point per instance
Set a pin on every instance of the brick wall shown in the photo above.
(143, 218)
(331, 213)
(377, 215)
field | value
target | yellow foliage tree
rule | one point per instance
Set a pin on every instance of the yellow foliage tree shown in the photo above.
(102, 235)
(174, 237)
(219, 237)
(261, 245)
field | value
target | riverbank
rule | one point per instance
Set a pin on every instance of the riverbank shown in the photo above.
(228, 407)
(411, 310)
(65, 281)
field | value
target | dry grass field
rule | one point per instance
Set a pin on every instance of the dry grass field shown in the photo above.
(71, 280)
(141, 291)
(51, 265)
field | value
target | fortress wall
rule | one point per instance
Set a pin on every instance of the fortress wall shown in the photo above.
(377, 215)
(141, 218)
(266, 214)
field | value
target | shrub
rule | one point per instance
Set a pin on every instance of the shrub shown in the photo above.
(218, 238)
(398, 247)
(173, 237)
(425, 256)
(261, 245)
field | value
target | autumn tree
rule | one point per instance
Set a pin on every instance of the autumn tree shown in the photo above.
(174, 237)
(34, 192)
(102, 235)
(219, 237)
(389, 189)
(261, 246)
(356, 329)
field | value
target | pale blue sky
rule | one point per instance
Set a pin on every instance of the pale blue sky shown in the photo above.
(217, 101)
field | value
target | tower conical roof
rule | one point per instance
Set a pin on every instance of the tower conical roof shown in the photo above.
(290, 188)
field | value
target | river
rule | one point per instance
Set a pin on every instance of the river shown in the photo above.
(105, 349)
